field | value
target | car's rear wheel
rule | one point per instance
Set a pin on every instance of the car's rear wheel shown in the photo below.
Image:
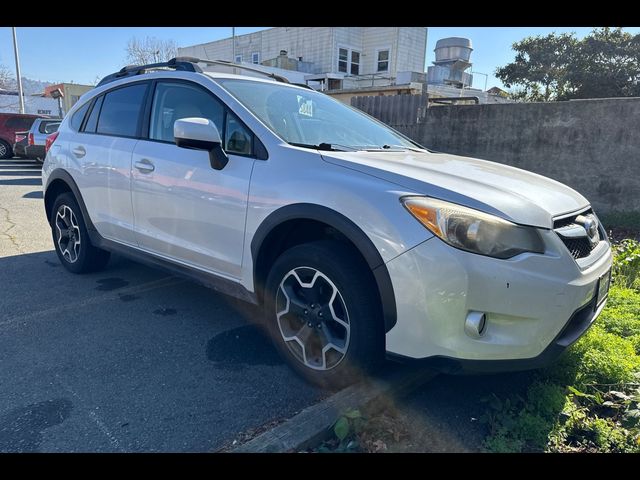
(323, 313)
(5, 150)
(71, 240)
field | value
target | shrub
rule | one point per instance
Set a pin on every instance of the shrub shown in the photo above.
(626, 263)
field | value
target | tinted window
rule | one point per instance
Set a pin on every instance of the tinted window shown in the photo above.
(173, 101)
(92, 121)
(238, 138)
(121, 110)
(20, 123)
(77, 118)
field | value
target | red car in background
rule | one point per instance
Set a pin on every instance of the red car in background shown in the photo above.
(10, 123)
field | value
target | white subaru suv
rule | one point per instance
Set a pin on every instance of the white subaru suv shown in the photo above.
(358, 243)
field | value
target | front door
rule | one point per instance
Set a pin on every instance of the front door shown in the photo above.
(185, 210)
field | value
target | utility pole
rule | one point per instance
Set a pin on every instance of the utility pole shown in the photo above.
(19, 78)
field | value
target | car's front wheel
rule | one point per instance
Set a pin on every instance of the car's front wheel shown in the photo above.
(71, 240)
(323, 313)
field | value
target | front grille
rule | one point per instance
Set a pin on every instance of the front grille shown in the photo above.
(570, 231)
(579, 248)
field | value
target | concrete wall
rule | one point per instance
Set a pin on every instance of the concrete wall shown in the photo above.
(591, 145)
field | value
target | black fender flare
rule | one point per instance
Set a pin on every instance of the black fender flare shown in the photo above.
(336, 220)
(60, 174)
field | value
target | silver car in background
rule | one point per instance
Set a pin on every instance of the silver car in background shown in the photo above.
(37, 136)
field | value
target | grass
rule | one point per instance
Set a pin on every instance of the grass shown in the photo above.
(590, 400)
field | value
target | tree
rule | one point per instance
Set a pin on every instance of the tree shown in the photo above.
(540, 67)
(150, 50)
(606, 63)
(7, 81)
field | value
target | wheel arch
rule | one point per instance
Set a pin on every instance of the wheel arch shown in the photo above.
(61, 181)
(267, 241)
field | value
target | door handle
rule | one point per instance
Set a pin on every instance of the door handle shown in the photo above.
(79, 151)
(144, 166)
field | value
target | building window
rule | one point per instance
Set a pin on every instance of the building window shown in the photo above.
(383, 61)
(343, 58)
(238, 59)
(255, 58)
(355, 62)
(348, 61)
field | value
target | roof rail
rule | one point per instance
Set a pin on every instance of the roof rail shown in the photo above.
(227, 63)
(186, 64)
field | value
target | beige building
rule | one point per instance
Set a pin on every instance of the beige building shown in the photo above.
(71, 91)
(332, 58)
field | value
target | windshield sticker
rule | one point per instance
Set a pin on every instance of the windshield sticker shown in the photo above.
(305, 107)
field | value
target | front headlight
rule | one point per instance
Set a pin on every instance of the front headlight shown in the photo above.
(472, 230)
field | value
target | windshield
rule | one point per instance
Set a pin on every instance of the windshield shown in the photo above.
(312, 119)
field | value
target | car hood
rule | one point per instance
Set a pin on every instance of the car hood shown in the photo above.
(511, 193)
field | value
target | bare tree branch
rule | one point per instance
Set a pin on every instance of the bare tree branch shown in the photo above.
(7, 80)
(150, 50)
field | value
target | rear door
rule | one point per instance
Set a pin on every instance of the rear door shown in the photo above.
(103, 150)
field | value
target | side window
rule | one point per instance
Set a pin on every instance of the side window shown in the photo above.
(76, 119)
(20, 123)
(238, 139)
(121, 110)
(92, 121)
(173, 101)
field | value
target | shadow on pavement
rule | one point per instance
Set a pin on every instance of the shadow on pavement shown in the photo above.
(35, 194)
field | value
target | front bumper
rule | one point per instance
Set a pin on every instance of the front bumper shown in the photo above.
(535, 304)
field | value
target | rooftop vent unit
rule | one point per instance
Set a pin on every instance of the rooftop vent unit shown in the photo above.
(453, 56)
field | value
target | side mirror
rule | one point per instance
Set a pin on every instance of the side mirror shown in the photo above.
(201, 134)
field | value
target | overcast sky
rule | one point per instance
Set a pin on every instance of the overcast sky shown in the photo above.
(65, 54)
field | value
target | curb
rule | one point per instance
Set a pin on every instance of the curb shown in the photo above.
(313, 424)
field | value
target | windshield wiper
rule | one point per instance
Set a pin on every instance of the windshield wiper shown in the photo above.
(400, 147)
(330, 147)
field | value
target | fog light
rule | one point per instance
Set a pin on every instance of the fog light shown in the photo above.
(475, 324)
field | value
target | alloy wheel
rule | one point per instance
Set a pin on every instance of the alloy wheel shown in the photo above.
(68, 237)
(312, 318)
(3, 150)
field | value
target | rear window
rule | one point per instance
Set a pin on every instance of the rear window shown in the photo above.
(20, 123)
(121, 110)
(42, 128)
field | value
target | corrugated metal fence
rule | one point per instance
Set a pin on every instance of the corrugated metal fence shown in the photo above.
(394, 110)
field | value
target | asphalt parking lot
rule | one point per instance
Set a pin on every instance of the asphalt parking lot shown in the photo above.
(128, 359)
(132, 359)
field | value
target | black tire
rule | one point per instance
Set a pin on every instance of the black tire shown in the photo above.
(86, 257)
(5, 150)
(342, 265)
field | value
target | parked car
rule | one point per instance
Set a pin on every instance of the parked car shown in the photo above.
(10, 123)
(356, 241)
(21, 140)
(37, 136)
